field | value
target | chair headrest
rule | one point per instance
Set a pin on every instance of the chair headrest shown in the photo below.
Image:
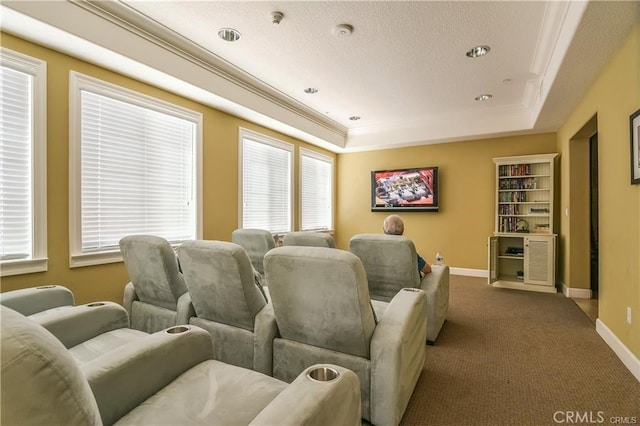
(221, 282)
(153, 269)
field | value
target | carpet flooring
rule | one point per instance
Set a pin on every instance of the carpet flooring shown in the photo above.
(511, 357)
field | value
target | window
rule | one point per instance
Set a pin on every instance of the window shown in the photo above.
(23, 165)
(265, 182)
(316, 191)
(134, 170)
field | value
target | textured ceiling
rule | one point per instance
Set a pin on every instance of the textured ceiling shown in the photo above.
(403, 70)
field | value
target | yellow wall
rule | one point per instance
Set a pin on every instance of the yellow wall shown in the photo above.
(613, 97)
(467, 195)
(220, 175)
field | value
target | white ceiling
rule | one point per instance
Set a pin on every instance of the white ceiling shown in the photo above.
(403, 70)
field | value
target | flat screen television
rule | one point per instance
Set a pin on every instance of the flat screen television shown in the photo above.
(413, 189)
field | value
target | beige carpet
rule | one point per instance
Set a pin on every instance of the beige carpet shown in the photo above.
(510, 357)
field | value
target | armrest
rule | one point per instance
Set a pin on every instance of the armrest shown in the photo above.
(309, 402)
(436, 281)
(397, 355)
(123, 379)
(76, 324)
(130, 296)
(28, 301)
(265, 330)
(184, 309)
(436, 285)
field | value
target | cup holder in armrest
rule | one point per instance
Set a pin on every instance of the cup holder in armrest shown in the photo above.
(44, 287)
(411, 289)
(178, 329)
(96, 304)
(323, 374)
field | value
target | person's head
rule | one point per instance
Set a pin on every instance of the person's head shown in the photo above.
(393, 225)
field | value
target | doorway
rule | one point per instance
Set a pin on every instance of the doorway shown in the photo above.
(593, 212)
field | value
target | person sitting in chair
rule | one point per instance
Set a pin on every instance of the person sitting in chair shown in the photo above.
(393, 225)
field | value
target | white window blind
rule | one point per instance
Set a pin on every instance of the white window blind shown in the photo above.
(137, 170)
(22, 164)
(266, 183)
(16, 225)
(316, 195)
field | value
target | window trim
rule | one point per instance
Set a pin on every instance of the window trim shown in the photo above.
(268, 140)
(322, 157)
(77, 83)
(38, 262)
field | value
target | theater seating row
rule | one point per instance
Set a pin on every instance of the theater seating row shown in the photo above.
(390, 262)
(169, 377)
(319, 311)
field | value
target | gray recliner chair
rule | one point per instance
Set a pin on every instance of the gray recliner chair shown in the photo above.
(87, 331)
(324, 315)
(164, 378)
(229, 303)
(156, 297)
(309, 239)
(257, 242)
(391, 265)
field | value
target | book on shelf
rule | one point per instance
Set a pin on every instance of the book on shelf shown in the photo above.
(542, 228)
(539, 210)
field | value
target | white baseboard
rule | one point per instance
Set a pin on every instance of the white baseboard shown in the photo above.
(576, 293)
(626, 356)
(469, 272)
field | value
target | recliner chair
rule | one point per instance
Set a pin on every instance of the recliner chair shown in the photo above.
(391, 265)
(229, 303)
(309, 239)
(164, 378)
(156, 297)
(257, 242)
(322, 308)
(87, 331)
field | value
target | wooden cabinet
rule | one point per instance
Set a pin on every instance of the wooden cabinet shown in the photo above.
(523, 262)
(522, 249)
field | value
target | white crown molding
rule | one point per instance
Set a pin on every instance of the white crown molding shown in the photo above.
(141, 26)
(91, 32)
(443, 128)
(560, 25)
(115, 36)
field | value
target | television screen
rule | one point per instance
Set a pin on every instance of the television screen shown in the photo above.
(405, 189)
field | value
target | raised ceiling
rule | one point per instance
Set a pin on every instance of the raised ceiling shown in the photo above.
(403, 70)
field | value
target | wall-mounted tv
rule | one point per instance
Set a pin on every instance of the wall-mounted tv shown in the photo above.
(413, 189)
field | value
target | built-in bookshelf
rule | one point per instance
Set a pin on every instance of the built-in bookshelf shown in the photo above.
(522, 249)
(524, 194)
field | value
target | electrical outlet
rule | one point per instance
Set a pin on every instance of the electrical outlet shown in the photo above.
(628, 314)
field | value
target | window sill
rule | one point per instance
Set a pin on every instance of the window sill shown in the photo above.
(91, 259)
(23, 266)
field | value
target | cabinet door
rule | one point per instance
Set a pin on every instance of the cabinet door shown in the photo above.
(539, 260)
(493, 259)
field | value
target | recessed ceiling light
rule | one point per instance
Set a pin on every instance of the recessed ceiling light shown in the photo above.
(311, 90)
(229, 34)
(484, 97)
(354, 118)
(478, 51)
